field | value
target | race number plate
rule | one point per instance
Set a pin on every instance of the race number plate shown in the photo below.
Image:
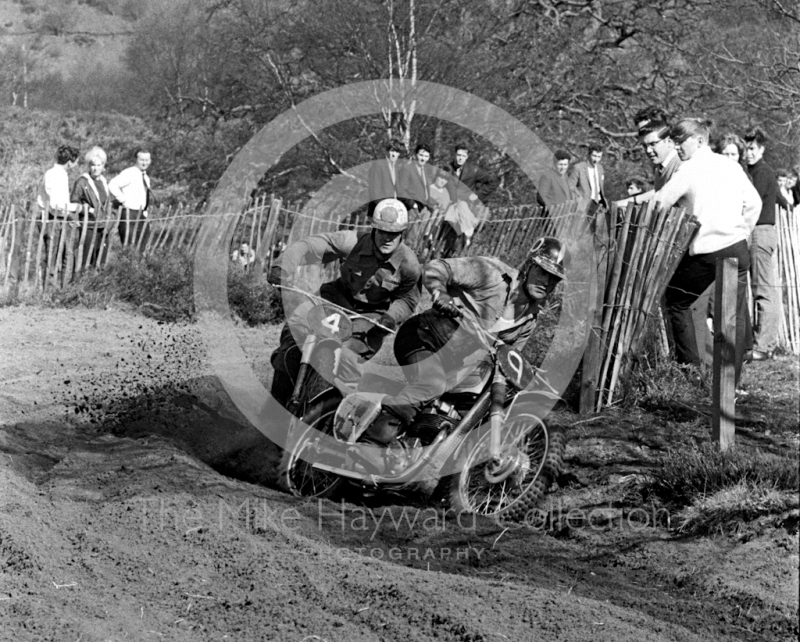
(514, 366)
(329, 321)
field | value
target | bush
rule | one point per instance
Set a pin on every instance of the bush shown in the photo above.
(161, 285)
(251, 298)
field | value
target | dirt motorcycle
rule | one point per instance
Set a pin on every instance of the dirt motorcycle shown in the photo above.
(478, 446)
(330, 327)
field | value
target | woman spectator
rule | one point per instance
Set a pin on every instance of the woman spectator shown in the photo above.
(732, 146)
(91, 190)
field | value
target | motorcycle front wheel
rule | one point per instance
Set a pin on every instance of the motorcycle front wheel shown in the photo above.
(296, 474)
(508, 489)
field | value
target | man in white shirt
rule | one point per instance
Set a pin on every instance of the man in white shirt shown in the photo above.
(131, 190)
(54, 203)
(53, 197)
(719, 194)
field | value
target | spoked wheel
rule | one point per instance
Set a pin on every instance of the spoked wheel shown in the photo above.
(508, 488)
(296, 474)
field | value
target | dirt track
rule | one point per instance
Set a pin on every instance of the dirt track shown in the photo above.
(115, 524)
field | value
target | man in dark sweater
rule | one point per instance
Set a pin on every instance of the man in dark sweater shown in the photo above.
(762, 248)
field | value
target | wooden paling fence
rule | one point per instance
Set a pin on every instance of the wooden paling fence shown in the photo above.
(788, 264)
(43, 249)
(644, 248)
(509, 232)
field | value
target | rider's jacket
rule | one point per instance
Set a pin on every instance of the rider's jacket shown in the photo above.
(488, 288)
(367, 282)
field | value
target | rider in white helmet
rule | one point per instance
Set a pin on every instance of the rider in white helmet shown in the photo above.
(379, 279)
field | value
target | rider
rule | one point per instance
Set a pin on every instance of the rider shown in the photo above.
(428, 346)
(380, 280)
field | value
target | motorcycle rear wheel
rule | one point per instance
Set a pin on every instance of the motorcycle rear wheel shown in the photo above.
(535, 459)
(296, 475)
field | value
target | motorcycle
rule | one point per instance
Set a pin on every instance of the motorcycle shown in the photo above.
(478, 446)
(330, 327)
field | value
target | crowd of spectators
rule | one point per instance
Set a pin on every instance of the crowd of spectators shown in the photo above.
(91, 195)
(456, 191)
(728, 186)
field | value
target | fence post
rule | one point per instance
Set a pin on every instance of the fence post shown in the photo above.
(593, 355)
(264, 251)
(82, 237)
(10, 257)
(111, 226)
(724, 378)
(29, 250)
(5, 217)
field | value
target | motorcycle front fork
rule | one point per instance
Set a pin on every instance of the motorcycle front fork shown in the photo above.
(309, 344)
(496, 415)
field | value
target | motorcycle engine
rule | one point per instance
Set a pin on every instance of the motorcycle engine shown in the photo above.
(428, 425)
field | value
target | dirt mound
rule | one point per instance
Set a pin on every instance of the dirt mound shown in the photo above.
(117, 524)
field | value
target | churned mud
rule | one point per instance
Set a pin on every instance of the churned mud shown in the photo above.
(135, 505)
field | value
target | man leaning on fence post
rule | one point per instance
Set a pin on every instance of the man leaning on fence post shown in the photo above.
(726, 205)
(131, 190)
(54, 199)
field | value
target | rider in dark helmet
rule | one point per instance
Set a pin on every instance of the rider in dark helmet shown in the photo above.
(433, 344)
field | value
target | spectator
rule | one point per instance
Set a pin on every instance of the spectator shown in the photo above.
(638, 192)
(635, 186)
(415, 179)
(762, 247)
(469, 187)
(732, 146)
(784, 188)
(244, 256)
(794, 184)
(383, 178)
(474, 184)
(554, 188)
(440, 197)
(54, 200)
(587, 178)
(131, 190)
(661, 150)
(726, 205)
(459, 223)
(91, 190)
